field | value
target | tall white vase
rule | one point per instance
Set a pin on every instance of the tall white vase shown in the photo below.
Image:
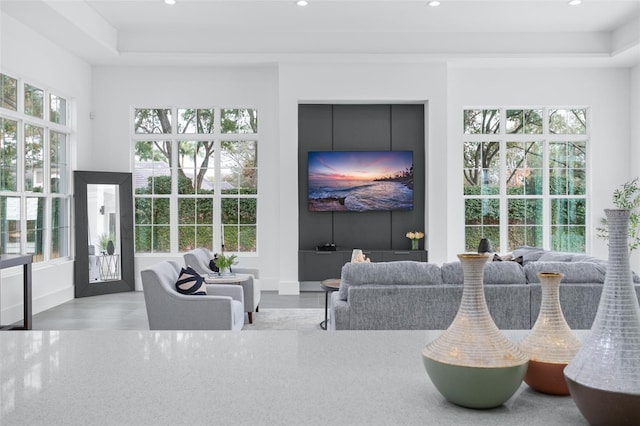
(604, 376)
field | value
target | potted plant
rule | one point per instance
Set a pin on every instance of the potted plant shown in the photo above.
(225, 262)
(626, 197)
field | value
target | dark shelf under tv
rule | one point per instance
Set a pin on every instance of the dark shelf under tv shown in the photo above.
(314, 265)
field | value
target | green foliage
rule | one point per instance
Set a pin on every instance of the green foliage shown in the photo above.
(8, 92)
(196, 215)
(104, 239)
(626, 197)
(224, 262)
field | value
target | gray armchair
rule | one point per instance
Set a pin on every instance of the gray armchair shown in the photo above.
(221, 309)
(199, 259)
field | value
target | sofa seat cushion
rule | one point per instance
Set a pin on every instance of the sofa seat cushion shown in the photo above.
(494, 273)
(388, 273)
(574, 272)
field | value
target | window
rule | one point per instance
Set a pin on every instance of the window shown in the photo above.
(195, 179)
(525, 177)
(34, 171)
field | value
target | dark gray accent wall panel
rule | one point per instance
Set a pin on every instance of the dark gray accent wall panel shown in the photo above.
(314, 134)
(408, 133)
(366, 230)
(361, 128)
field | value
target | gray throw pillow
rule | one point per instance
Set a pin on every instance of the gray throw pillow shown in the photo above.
(528, 253)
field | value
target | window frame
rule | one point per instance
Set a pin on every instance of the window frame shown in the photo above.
(63, 229)
(175, 137)
(546, 138)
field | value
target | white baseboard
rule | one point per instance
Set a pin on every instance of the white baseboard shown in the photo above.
(289, 288)
(13, 314)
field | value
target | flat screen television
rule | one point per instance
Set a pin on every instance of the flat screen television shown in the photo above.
(360, 181)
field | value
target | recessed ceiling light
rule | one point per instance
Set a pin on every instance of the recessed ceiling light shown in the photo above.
(302, 3)
(575, 2)
(434, 3)
(170, 1)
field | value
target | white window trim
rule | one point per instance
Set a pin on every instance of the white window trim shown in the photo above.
(546, 138)
(217, 137)
(22, 120)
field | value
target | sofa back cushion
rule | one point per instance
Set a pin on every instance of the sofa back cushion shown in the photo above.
(556, 256)
(505, 272)
(574, 272)
(528, 253)
(388, 273)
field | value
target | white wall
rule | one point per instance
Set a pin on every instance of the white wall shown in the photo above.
(360, 83)
(117, 91)
(606, 91)
(634, 144)
(111, 93)
(26, 54)
(634, 117)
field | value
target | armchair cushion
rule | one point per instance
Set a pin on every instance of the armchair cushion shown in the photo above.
(190, 282)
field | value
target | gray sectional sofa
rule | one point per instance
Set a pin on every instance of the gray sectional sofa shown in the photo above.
(423, 296)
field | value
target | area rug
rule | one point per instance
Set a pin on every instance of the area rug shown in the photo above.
(286, 319)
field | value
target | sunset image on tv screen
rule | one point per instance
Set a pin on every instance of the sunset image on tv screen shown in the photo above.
(360, 181)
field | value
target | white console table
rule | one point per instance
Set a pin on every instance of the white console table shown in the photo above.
(285, 377)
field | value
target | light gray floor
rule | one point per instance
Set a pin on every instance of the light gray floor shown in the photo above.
(126, 311)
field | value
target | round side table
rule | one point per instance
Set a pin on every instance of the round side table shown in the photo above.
(329, 286)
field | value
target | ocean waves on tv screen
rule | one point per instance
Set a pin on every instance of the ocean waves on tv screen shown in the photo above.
(361, 196)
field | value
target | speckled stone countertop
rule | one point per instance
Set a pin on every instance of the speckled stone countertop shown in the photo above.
(235, 378)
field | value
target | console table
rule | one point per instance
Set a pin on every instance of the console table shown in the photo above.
(9, 261)
(314, 265)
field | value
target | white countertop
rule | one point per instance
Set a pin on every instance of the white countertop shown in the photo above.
(248, 377)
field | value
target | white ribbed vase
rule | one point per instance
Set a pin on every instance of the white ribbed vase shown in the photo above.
(551, 344)
(604, 377)
(472, 363)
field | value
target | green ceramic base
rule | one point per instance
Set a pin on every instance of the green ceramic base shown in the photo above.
(475, 387)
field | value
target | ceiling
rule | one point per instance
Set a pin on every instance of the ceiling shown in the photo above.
(211, 32)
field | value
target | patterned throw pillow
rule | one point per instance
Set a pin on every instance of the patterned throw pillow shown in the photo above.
(190, 282)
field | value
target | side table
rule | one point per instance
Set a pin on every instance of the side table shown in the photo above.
(109, 267)
(329, 286)
(24, 260)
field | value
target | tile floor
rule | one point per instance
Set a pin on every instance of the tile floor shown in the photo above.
(126, 311)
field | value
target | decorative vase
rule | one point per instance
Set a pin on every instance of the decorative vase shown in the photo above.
(415, 244)
(472, 364)
(551, 344)
(604, 376)
(485, 246)
(110, 248)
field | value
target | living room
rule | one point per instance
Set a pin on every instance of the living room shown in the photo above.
(105, 74)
